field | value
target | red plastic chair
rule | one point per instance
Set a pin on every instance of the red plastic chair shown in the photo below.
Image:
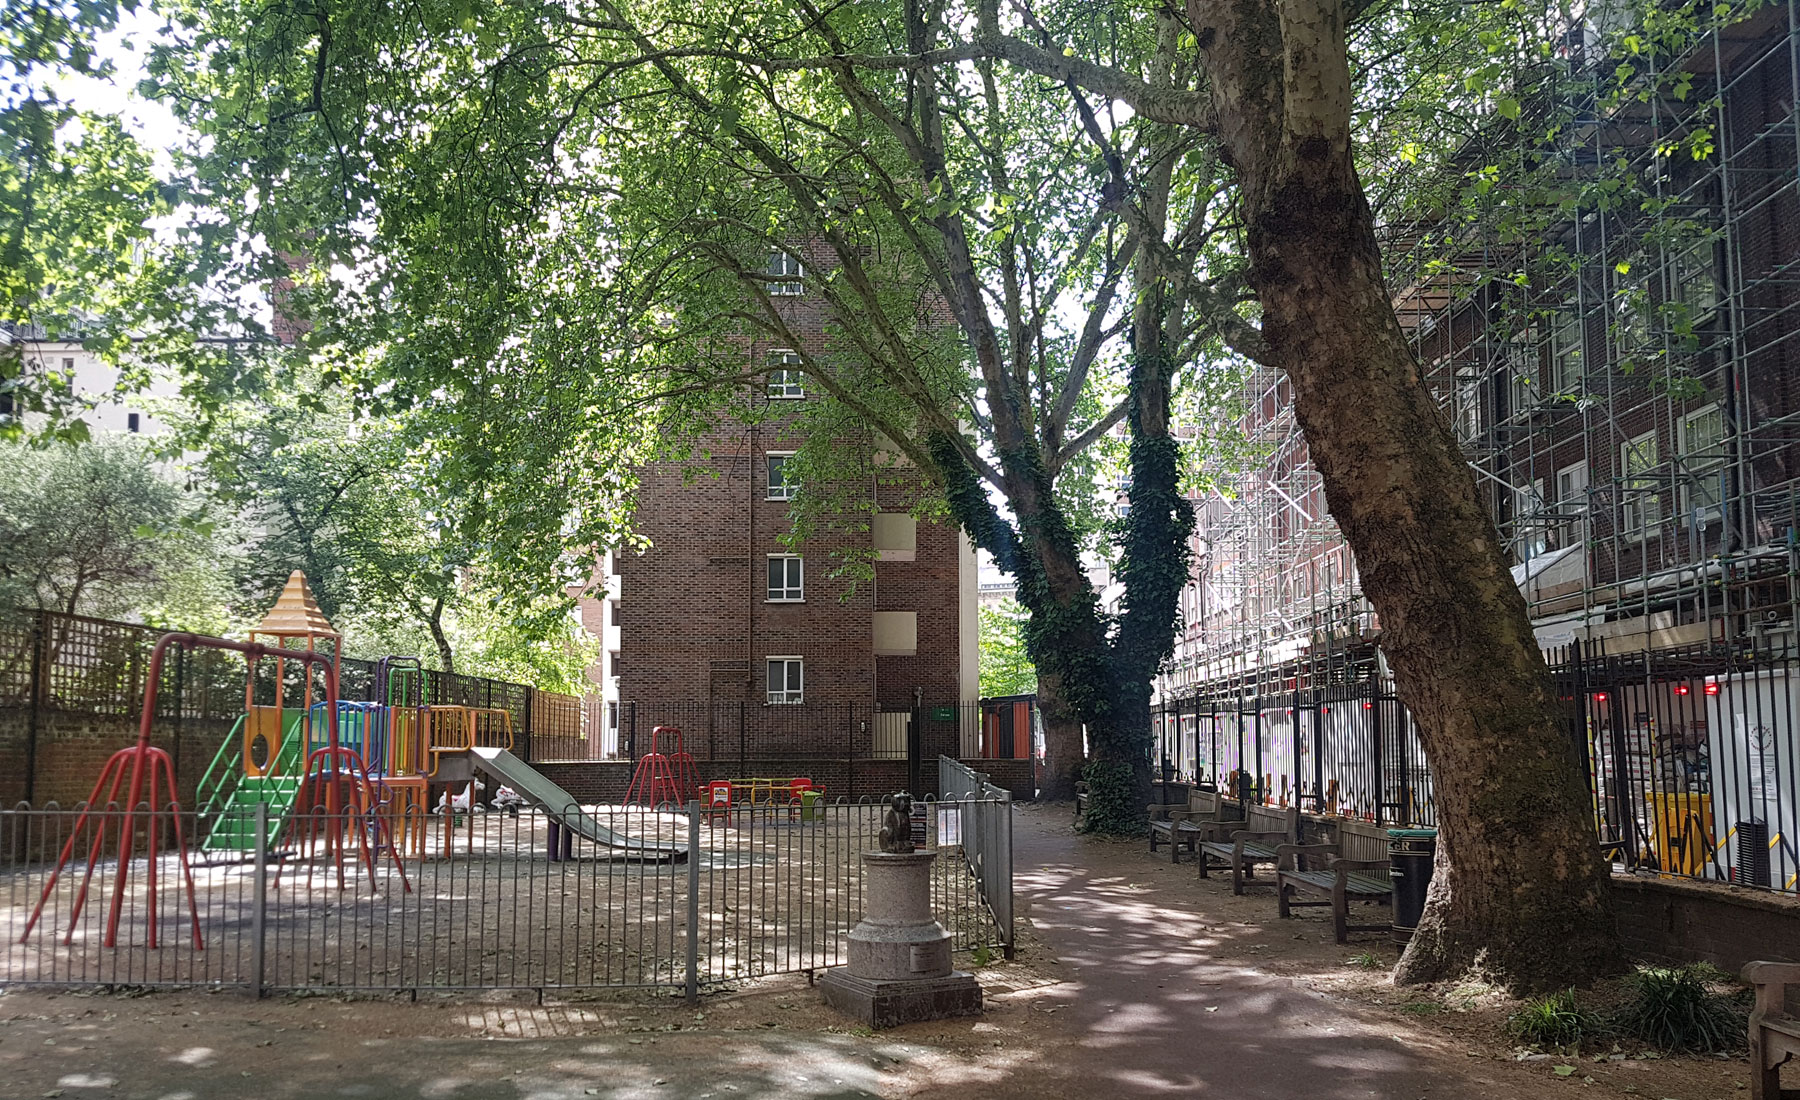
(715, 799)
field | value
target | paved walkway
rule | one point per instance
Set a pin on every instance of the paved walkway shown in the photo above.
(1152, 1010)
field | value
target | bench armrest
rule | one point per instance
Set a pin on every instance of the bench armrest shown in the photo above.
(1772, 973)
(1771, 980)
(1287, 855)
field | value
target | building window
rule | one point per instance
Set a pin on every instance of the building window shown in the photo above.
(1703, 458)
(1520, 360)
(131, 422)
(1530, 535)
(783, 484)
(1640, 507)
(787, 679)
(787, 382)
(786, 578)
(69, 365)
(1565, 356)
(1572, 503)
(785, 271)
(1693, 279)
(1630, 306)
(1468, 409)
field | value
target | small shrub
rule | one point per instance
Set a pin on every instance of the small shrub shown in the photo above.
(1368, 960)
(1552, 1021)
(1671, 1008)
(983, 954)
(1422, 1008)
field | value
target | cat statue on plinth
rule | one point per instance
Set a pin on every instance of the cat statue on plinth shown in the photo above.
(896, 829)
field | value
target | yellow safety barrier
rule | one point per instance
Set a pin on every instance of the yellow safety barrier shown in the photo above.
(1681, 831)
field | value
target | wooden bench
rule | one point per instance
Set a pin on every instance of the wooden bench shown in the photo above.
(1207, 816)
(1774, 1035)
(1267, 829)
(1355, 869)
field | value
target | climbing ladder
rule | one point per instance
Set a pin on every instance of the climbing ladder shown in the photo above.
(229, 797)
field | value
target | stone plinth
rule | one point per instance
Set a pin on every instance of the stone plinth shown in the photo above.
(899, 969)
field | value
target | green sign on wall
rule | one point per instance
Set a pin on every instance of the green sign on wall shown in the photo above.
(943, 714)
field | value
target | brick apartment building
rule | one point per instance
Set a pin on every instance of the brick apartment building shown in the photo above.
(764, 652)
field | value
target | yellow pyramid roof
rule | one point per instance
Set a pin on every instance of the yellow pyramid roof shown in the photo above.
(296, 613)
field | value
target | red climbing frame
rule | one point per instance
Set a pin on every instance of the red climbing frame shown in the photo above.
(654, 782)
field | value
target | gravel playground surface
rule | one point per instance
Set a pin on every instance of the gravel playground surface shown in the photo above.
(1134, 978)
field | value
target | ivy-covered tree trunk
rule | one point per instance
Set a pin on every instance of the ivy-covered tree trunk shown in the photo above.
(1519, 880)
(1065, 755)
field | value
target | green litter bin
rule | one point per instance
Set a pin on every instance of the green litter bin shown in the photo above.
(1411, 853)
(810, 810)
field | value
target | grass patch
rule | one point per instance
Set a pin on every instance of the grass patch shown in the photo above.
(1553, 1021)
(1368, 960)
(1672, 1009)
(1422, 1008)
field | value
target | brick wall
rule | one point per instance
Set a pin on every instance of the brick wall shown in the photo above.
(1674, 920)
(72, 747)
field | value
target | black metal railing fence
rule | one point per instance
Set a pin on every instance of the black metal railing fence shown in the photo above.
(1692, 754)
(516, 903)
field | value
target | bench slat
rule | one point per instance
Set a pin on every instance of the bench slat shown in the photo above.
(1357, 883)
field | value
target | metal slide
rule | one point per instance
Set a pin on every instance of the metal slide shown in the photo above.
(537, 789)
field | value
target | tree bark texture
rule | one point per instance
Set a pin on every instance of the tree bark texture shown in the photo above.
(1064, 754)
(1519, 883)
(435, 620)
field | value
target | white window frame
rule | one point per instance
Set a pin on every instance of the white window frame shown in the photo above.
(1467, 401)
(1530, 534)
(783, 696)
(1521, 358)
(1568, 351)
(1640, 513)
(787, 488)
(1572, 501)
(786, 272)
(1696, 463)
(785, 381)
(1690, 265)
(793, 580)
(1631, 313)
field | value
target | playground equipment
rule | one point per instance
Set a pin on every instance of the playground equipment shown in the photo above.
(151, 774)
(654, 781)
(264, 759)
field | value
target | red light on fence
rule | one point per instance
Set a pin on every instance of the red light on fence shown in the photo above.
(1712, 687)
(1290, 710)
(1683, 689)
(1368, 706)
(1600, 697)
(1324, 710)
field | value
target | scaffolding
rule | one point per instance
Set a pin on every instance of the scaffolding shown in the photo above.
(1624, 380)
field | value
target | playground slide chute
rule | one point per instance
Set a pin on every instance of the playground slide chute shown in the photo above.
(538, 789)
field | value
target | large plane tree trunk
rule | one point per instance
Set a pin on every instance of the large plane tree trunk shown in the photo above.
(1519, 880)
(1064, 754)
